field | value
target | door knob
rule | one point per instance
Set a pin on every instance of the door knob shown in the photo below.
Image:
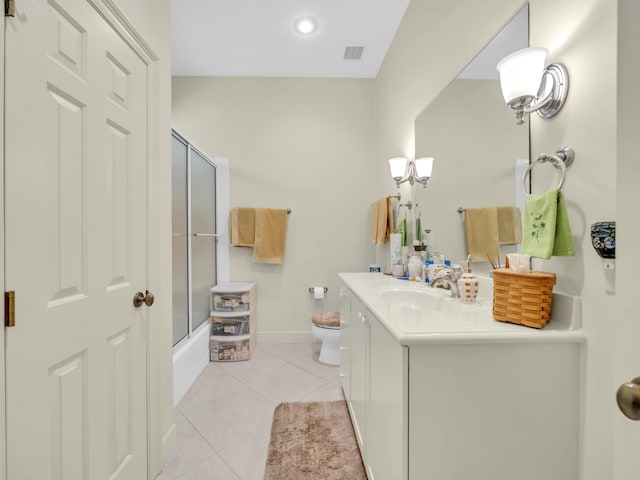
(139, 298)
(149, 299)
(628, 398)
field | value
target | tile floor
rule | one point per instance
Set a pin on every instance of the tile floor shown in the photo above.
(224, 420)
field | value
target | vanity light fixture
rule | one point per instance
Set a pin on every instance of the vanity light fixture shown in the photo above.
(528, 86)
(405, 170)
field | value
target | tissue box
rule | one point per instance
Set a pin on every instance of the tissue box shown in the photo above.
(522, 298)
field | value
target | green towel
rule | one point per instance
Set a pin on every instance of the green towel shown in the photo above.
(418, 229)
(402, 229)
(546, 226)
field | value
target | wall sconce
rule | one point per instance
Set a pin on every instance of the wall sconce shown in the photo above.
(528, 86)
(404, 170)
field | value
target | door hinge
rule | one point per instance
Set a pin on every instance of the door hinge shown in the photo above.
(10, 308)
(9, 8)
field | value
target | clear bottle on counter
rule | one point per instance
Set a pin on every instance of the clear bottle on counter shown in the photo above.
(425, 269)
(428, 241)
(415, 266)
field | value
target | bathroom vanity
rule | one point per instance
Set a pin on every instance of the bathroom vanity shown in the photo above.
(438, 389)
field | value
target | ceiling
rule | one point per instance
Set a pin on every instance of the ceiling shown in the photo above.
(256, 37)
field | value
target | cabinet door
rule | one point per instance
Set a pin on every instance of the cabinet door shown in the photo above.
(359, 357)
(345, 336)
(387, 432)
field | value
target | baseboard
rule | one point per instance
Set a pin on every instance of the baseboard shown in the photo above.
(285, 337)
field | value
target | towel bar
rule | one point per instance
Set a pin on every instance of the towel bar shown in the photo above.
(562, 159)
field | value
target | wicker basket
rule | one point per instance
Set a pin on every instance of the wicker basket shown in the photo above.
(522, 298)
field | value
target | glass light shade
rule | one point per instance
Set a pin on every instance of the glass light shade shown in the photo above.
(397, 166)
(521, 73)
(424, 167)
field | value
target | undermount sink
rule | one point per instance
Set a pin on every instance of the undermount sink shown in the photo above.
(420, 299)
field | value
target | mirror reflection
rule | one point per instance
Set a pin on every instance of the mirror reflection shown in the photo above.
(480, 153)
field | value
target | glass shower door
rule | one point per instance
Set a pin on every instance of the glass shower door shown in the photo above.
(203, 237)
(180, 254)
(194, 237)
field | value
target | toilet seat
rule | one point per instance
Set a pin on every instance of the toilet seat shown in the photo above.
(326, 320)
(327, 327)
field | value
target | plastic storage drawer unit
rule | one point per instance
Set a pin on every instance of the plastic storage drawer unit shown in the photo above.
(233, 321)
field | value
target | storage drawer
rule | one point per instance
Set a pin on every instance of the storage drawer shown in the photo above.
(230, 349)
(228, 326)
(233, 297)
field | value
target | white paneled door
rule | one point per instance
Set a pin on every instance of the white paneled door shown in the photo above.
(76, 237)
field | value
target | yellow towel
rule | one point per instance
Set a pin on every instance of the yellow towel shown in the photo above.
(381, 221)
(481, 226)
(270, 238)
(509, 225)
(242, 223)
(390, 225)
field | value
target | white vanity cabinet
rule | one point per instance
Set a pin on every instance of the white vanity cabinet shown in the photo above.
(479, 404)
(494, 411)
(354, 339)
(373, 378)
(388, 422)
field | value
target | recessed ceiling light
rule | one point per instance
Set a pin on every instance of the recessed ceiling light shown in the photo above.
(306, 25)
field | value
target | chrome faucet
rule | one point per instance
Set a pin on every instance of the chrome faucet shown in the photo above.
(455, 293)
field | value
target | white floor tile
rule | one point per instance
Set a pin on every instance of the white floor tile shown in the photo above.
(223, 409)
(248, 456)
(310, 363)
(212, 469)
(262, 363)
(286, 384)
(224, 420)
(191, 450)
(290, 351)
(328, 392)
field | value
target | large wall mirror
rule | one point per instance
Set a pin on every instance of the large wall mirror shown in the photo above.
(479, 150)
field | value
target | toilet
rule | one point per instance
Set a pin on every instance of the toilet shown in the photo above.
(326, 327)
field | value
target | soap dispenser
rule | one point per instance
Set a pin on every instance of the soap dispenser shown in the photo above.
(468, 285)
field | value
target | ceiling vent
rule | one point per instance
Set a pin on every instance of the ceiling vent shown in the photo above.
(353, 53)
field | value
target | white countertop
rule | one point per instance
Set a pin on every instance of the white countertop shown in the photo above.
(452, 321)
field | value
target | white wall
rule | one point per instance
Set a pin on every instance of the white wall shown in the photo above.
(582, 35)
(303, 144)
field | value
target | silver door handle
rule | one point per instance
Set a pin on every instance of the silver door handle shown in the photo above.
(628, 398)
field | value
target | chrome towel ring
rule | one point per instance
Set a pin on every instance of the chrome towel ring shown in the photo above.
(562, 159)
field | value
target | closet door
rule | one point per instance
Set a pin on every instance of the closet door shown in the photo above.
(203, 237)
(180, 240)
